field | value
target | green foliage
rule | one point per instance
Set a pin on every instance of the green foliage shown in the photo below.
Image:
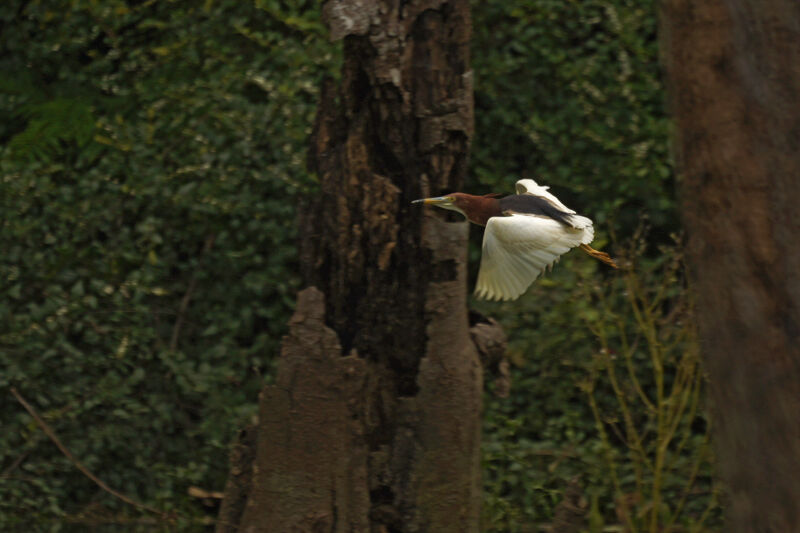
(570, 94)
(152, 153)
(543, 434)
(607, 391)
(52, 125)
(654, 435)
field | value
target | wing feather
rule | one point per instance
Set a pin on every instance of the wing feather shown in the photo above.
(528, 186)
(517, 249)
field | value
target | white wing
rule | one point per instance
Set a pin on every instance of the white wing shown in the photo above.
(517, 248)
(528, 186)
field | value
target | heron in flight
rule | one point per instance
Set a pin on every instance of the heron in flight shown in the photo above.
(525, 234)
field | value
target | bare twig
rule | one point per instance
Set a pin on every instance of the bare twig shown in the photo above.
(18, 461)
(187, 298)
(85, 471)
(197, 492)
(176, 329)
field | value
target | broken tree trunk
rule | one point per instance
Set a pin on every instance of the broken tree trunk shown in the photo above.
(373, 422)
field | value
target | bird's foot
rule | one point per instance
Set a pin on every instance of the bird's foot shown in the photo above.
(600, 256)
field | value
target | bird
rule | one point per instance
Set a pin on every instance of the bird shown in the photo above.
(526, 233)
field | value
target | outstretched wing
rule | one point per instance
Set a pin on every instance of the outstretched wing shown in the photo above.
(517, 249)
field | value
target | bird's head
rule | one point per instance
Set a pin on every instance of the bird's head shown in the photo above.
(477, 209)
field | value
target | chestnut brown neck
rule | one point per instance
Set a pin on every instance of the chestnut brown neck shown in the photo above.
(479, 209)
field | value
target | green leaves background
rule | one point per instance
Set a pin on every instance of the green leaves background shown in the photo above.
(151, 156)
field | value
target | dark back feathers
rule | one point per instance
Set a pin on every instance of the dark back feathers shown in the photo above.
(529, 204)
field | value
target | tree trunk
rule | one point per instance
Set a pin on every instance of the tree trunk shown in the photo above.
(373, 423)
(734, 77)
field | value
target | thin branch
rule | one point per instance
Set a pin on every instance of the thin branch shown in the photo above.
(187, 298)
(176, 329)
(609, 456)
(18, 461)
(697, 462)
(85, 471)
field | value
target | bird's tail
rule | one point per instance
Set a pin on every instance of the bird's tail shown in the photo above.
(600, 256)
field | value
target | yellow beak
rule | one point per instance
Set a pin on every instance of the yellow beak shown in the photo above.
(439, 200)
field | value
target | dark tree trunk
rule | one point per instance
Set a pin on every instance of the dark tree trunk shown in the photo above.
(373, 423)
(734, 77)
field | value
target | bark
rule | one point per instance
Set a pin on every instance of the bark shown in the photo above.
(373, 422)
(491, 341)
(734, 79)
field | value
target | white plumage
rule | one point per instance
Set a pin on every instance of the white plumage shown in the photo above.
(525, 234)
(518, 248)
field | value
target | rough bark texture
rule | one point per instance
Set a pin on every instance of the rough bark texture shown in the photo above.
(373, 423)
(734, 77)
(310, 470)
(491, 341)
